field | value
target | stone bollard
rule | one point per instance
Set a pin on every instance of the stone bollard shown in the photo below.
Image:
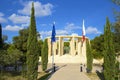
(81, 70)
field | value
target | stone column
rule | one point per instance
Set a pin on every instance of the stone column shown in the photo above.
(80, 51)
(79, 46)
(54, 48)
(60, 45)
(84, 52)
(49, 47)
(72, 46)
(76, 50)
(76, 47)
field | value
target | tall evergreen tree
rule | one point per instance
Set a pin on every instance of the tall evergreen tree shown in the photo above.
(1, 42)
(40, 44)
(89, 56)
(32, 49)
(109, 53)
(44, 55)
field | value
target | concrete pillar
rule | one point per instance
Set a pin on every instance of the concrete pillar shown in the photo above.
(84, 52)
(72, 46)
(49, 47)
(79, 46)
(76, 50)
(54, 47)
(60, 46)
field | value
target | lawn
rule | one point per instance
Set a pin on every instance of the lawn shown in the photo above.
(11, 76)
(17, 76)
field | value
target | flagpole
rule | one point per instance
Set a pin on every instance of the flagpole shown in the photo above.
(52, 47)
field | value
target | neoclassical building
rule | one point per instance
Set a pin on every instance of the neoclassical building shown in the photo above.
(76, 48)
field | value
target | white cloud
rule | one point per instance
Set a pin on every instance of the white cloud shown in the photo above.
(19, 19)
(40, 9)
(71, 26)
(2, 20)
(74, 34)
(12, 28)
(92, 30)
(58, 32)
(61, 32)
(1, 14)
(45, 34)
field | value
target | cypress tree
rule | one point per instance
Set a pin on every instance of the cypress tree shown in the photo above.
(44, 55)
(32, 49)
(109, 54)
(89, 56)
(1, 43)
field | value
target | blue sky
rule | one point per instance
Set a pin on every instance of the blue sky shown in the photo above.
(67, 14)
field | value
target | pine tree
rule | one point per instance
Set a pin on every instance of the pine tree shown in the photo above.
(44, 55)
(89, 56)
(109, 54)
(1, 42)
(32, 49)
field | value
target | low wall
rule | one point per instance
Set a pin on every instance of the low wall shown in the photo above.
(71, 59)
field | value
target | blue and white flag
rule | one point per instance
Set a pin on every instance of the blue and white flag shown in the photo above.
(53, 33)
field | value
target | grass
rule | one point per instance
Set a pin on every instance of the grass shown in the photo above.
(17, 76)
(11, 76)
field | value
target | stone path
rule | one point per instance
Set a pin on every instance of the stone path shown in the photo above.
(68, 72)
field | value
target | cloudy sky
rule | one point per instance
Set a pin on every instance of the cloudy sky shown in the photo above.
(67, 14)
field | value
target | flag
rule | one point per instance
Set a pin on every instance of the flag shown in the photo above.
(83, 33)
(53, 33)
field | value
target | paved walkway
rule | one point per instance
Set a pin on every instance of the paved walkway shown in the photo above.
(68, 72)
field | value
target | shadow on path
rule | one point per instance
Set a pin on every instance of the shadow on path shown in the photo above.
(100, 75)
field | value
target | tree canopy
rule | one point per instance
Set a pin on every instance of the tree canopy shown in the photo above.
(20, 41)
(97, 45)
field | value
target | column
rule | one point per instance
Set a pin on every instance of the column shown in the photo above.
(60, 45)
(54, 48)
(76, 50)
(49, 47)
(72, 46)
(79, 46)
(84, 52)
